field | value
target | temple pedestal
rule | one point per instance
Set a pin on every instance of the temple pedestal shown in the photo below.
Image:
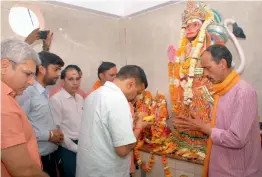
(178, 168)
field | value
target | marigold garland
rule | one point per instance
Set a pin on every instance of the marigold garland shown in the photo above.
(158, 107)
(143, 102)
(151, 162)
(166, 168)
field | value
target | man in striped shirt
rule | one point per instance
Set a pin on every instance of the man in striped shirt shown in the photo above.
(234, 148)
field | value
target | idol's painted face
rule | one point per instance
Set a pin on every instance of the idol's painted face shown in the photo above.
(192, 29)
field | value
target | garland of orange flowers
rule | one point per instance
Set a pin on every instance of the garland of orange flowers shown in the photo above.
(166, 168)
(157, 129)
(143, 102)
(158, 108)
(139, 144)
(138, 157)
(143, 105)
(151, 162)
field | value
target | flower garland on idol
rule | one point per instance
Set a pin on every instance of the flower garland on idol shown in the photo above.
(181, 70)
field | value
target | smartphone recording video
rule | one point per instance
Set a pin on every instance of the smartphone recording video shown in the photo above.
(43, 34)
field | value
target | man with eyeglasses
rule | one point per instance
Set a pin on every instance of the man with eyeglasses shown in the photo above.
(35, 102)
(20, 156)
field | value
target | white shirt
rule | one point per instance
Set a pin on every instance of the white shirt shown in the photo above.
(106, 123)
(67, 111)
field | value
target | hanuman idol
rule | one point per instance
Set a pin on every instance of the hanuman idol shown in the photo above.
(190, 91)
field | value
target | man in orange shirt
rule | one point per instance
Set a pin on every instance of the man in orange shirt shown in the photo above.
(106, 72)
(20, 155)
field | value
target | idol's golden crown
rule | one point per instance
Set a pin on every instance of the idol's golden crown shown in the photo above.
(194, 10)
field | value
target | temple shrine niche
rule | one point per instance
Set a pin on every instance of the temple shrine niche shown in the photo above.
(190, 92)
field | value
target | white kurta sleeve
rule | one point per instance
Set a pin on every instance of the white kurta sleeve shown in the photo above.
(121, 123)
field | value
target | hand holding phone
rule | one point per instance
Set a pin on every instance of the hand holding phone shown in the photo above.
(33, 36)
(43, 34)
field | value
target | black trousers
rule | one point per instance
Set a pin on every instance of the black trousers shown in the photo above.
(66, 162)
(49, 164)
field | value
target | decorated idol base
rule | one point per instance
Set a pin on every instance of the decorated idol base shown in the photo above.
(159, 139)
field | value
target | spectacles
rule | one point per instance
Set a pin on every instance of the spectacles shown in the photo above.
(29, 74)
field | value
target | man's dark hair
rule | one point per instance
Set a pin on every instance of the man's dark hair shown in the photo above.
(105, 66)
(48, 58)
(133, 71)
(67, 68)
(220, 52)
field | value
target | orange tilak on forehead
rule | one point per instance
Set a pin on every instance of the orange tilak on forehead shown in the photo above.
(72, 73)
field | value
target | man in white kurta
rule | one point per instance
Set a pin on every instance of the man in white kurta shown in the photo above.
(106, 124)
